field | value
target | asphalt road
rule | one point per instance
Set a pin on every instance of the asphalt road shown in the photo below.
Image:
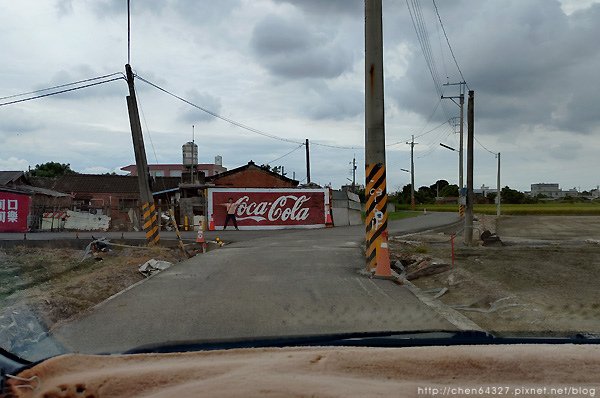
(287, 284)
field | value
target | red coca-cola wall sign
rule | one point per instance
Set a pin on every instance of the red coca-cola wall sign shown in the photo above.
(275, 208)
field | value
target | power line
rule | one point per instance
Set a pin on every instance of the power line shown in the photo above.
(60, 92)
(336, 146)
(483, 146)
(289, 153)
(231, 121)
(448, 41)
(420, 27)
(61, 86)
(238, 124)
(421, 135)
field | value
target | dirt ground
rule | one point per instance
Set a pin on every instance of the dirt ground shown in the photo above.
(42, 287)
(545, 279)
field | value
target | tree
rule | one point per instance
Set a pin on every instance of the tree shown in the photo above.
(51, 169)
(424, 195)
(438, 187)
(449, 190)
(491, 196)
(512, 196)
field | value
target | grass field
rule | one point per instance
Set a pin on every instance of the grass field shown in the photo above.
(573, 209)
(398, 215)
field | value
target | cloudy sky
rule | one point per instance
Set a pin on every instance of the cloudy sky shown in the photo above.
(295, 69)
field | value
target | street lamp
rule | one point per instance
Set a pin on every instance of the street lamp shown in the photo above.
(412, 189)
(448, 147)
(460, 190)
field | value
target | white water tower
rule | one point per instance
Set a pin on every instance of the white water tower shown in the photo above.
(219, 160)
(190, 154)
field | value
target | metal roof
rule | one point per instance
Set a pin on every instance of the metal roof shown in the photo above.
(6, 177)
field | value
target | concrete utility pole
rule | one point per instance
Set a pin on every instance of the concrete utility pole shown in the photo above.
(461, 105)
(470, 142)
(149, 216)
(307, 161)
(498, 197)
(412, 144)
(353, 173)
(375, 186)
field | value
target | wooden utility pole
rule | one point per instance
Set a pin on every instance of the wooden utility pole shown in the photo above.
(498, 197)
(470, 142)
(307, 161)
(412, 144)
(378, 260)
(149, 216)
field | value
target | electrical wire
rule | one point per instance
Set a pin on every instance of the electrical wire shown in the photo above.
(424, 126)
(336, 146)
(420, 135)
(238, 124)
(216, 115)
(433, 148)
(289, 153)
(59, 92)
(62, 85)
(483, 146)
(448, 41)
(423, 38)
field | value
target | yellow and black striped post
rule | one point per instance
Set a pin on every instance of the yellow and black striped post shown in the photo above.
(150, 219)
(149, 216)
(461, 210)
(376, 211)
(377, 254)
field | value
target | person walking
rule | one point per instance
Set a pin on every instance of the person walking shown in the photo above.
(231, 207)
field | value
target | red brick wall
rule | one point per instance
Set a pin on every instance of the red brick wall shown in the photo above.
(251, 178)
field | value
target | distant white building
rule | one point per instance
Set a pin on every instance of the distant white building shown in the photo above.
(551, 190)
(483, 191)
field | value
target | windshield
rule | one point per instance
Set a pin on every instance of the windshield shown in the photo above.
(203, 171)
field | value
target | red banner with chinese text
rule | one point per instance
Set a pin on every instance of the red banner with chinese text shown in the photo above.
(14, 209)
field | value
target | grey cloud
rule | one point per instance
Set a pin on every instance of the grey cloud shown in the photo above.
(334, 104)
(287, 48)
(64, 7)
(108, 8)
(522, 59)
(330, 7)
(18, 121)
(565, 150)
(204, 100)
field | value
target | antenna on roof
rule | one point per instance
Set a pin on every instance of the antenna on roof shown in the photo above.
(192, 133)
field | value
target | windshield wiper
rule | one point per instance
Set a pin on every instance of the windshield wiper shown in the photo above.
(367, 339)
(10, 364)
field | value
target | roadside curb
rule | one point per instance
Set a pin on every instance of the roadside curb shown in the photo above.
(451, 315)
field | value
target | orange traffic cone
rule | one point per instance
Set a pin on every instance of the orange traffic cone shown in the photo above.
(200, 237)
(211, 223)
(383, 259)
(200, 240)
(328, 220)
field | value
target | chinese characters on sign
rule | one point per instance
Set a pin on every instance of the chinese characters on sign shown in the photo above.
(14, 209)
(8, 212)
